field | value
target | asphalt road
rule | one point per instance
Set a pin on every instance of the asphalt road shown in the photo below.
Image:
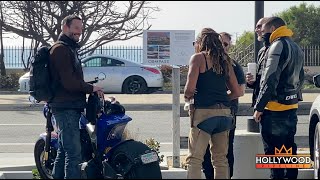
(19, 130)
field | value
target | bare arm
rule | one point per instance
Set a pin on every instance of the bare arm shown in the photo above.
(193, 73)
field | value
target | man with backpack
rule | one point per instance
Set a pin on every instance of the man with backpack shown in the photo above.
(69, 97)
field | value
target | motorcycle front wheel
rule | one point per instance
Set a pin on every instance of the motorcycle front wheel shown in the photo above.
(45, 172)
(123, 157)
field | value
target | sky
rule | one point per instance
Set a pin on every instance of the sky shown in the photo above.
(233, 17)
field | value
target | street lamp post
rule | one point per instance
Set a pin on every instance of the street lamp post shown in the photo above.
(252, 126)
(258, 14)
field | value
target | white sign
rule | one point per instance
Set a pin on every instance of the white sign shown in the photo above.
(170, 47)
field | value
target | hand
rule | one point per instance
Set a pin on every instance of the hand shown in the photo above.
(98, 90)
(257, 116)
(249, 78)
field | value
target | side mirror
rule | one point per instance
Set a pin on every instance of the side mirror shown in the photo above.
(316, 80)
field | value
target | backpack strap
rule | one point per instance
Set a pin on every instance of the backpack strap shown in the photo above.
(55, 85)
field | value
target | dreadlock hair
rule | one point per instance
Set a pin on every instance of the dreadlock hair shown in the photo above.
(209, 42)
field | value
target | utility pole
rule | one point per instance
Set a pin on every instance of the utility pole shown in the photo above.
(258, 14)
(252, 126)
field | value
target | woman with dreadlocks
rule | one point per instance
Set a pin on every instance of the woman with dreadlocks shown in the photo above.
(209, 78)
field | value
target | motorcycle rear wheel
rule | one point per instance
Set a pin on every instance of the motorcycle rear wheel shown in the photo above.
(123, 156)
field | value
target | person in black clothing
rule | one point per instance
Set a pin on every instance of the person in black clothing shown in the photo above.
(207, 165)
(70, 98)
(281, 83)
(255, 84)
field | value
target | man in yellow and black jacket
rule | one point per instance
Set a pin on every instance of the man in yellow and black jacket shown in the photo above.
(281, 83)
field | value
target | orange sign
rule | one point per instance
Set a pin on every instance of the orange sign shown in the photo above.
(283, 158)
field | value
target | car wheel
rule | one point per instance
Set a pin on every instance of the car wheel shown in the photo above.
(134, 85)
(316, 165)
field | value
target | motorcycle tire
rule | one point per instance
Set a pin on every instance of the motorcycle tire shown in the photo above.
(122, 157)
(44, 172)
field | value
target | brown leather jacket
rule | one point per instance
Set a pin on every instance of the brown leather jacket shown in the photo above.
(67, 74)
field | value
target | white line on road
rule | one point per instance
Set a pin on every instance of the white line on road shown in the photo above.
(17, 144)
(166, 143)
(22, 124)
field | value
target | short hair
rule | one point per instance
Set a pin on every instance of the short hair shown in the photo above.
(275, 21)
(264, 20)
(226, 34)
(68, 19)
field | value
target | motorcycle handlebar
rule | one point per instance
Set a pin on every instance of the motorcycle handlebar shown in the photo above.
(100, 77)
(94, 81)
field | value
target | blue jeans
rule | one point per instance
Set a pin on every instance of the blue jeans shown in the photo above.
(207, 167)
(68, 158)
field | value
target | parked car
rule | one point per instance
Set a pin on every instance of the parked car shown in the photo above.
(122, 76)
(314, 130)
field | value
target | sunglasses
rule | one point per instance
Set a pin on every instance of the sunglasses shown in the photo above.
(225, 44)
(258, 26)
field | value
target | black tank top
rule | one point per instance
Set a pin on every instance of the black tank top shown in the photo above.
(211, 89)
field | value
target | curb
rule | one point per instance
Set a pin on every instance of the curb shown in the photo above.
(19, 168)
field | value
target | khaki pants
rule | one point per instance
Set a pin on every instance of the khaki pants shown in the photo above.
(198, 142)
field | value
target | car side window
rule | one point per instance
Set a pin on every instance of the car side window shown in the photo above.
(94, 62)
(114, 62)
(103, 62)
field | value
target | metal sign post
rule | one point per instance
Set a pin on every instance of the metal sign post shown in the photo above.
(176, 116)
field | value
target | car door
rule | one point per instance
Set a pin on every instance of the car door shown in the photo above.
(93, 66)
(118, 73)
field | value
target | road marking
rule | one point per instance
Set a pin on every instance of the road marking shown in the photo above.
(17, 144)
(166, 143)
(22, 124)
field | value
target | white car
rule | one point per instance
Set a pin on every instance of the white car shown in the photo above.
(122, 76)
(314, 130)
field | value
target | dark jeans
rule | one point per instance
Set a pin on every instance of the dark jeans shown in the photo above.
(277, 129)
(207, 165)
(68, 158)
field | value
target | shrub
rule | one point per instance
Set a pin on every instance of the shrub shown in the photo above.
(154, 145)
(35, 174)
(10, 82)
(167, 72)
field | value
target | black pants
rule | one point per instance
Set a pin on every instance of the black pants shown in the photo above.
(207, 165)
(278, 129)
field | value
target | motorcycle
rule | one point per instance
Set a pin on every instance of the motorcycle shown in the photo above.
(105, 153)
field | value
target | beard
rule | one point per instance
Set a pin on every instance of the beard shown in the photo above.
(73, 36)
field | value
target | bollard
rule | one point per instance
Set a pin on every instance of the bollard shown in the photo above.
(175, 116)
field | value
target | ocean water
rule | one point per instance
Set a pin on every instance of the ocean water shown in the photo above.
(15, 56)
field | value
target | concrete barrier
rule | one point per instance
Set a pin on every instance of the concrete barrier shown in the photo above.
(246, 146)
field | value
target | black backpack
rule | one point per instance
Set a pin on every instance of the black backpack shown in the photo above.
(41, 86)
